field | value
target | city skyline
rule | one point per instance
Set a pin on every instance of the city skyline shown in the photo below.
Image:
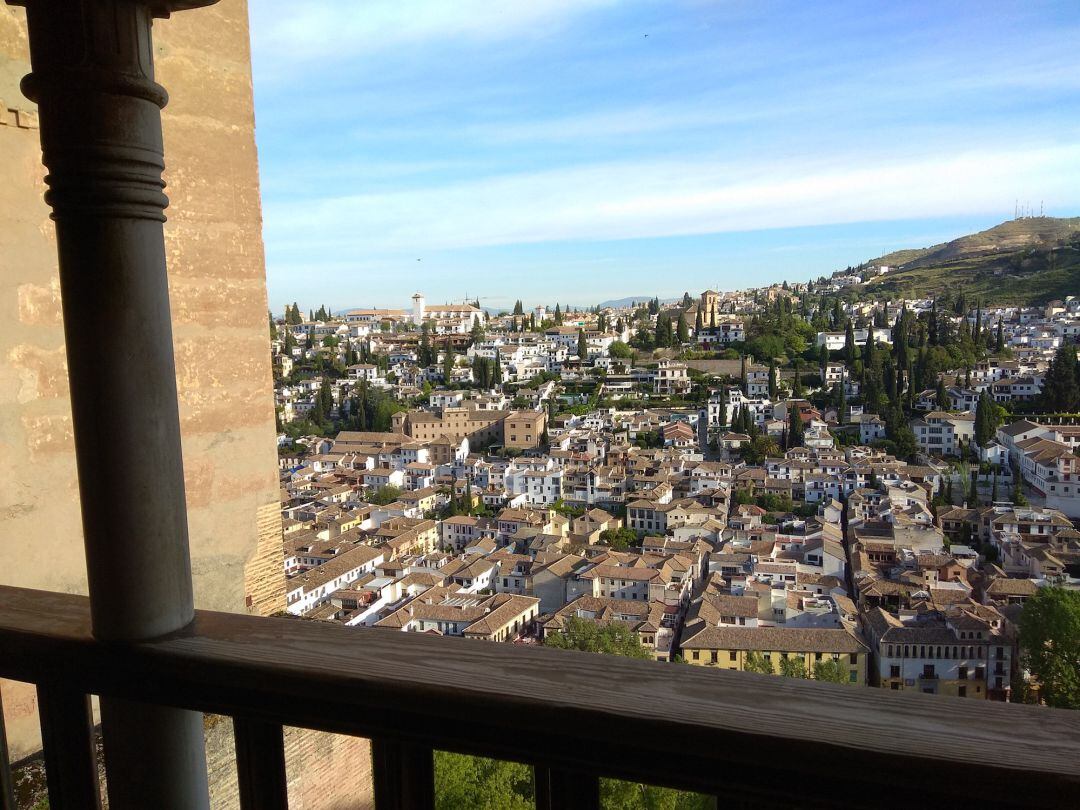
(556, 144)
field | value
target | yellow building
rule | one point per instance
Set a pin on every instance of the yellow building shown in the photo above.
(730, 647)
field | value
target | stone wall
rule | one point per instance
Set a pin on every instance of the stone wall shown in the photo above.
(217, 283)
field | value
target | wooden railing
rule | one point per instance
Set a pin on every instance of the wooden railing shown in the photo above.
(751, 740)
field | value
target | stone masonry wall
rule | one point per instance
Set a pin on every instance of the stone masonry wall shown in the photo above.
(217, 283)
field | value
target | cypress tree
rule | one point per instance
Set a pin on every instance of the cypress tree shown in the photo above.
(943, 401)
(985, 423)
(795, 427)
(448, 363)
(1061, 386)
(999, 344)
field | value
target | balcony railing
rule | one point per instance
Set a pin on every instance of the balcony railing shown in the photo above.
(754, 741)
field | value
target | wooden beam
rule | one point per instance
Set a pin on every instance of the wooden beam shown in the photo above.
(67, 740)
(689, 727)
(260, 764)
(404, 775)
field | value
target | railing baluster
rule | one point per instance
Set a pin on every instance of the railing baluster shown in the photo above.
(67, 739)
(260, 764)
(7, 787)
(404, 775)
(565, 790)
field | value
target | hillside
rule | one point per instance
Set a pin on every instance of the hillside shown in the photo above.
(1022, 261)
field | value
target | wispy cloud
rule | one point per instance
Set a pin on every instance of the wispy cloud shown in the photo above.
(389, 129)
(698, 195)
(333, 30)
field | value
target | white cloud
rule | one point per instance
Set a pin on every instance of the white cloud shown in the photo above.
(329, 30)
(695, 195)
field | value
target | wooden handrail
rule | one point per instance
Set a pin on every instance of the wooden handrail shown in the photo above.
(751, 737)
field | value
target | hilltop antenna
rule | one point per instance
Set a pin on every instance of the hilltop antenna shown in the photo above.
(1041, 209)
(1016, 209)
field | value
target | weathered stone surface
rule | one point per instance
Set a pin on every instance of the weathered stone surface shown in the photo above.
(218, 293)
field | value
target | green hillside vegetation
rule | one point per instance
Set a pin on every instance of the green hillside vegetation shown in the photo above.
(1023, 261)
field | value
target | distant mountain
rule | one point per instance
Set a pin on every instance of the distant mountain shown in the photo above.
(618, 303)
(1023, 261)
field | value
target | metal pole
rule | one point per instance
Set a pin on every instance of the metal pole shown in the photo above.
(100, 114)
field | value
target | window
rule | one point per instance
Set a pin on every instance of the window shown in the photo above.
(853, 676)
(961, 691)
(894, 671)
(732, 655)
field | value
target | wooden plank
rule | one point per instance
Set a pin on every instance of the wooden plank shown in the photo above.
(689, 727)
(404, 775)
(558, 789)
(7, 786)
(260, 764)
(67, 741)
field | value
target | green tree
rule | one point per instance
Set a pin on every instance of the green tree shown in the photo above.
(1061, 387)
(385, 495)
(683, 334)
(619, 539)
(831, 671)
(482, 783)
(986, 419)
(424, 355)
(942, 399)
(620, 350)
(663, 331)
(793, 667)
(611, 639)
(850, 349)
(796, 433)
(582, 345)
(616, 794)
(1050, 644)
(755, 662)
(448, 363)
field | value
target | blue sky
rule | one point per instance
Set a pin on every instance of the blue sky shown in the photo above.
(577, 150)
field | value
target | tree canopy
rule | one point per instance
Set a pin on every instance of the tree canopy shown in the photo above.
(1050, 645)
(612, 639)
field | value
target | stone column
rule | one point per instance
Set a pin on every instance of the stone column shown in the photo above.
(100, 116)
